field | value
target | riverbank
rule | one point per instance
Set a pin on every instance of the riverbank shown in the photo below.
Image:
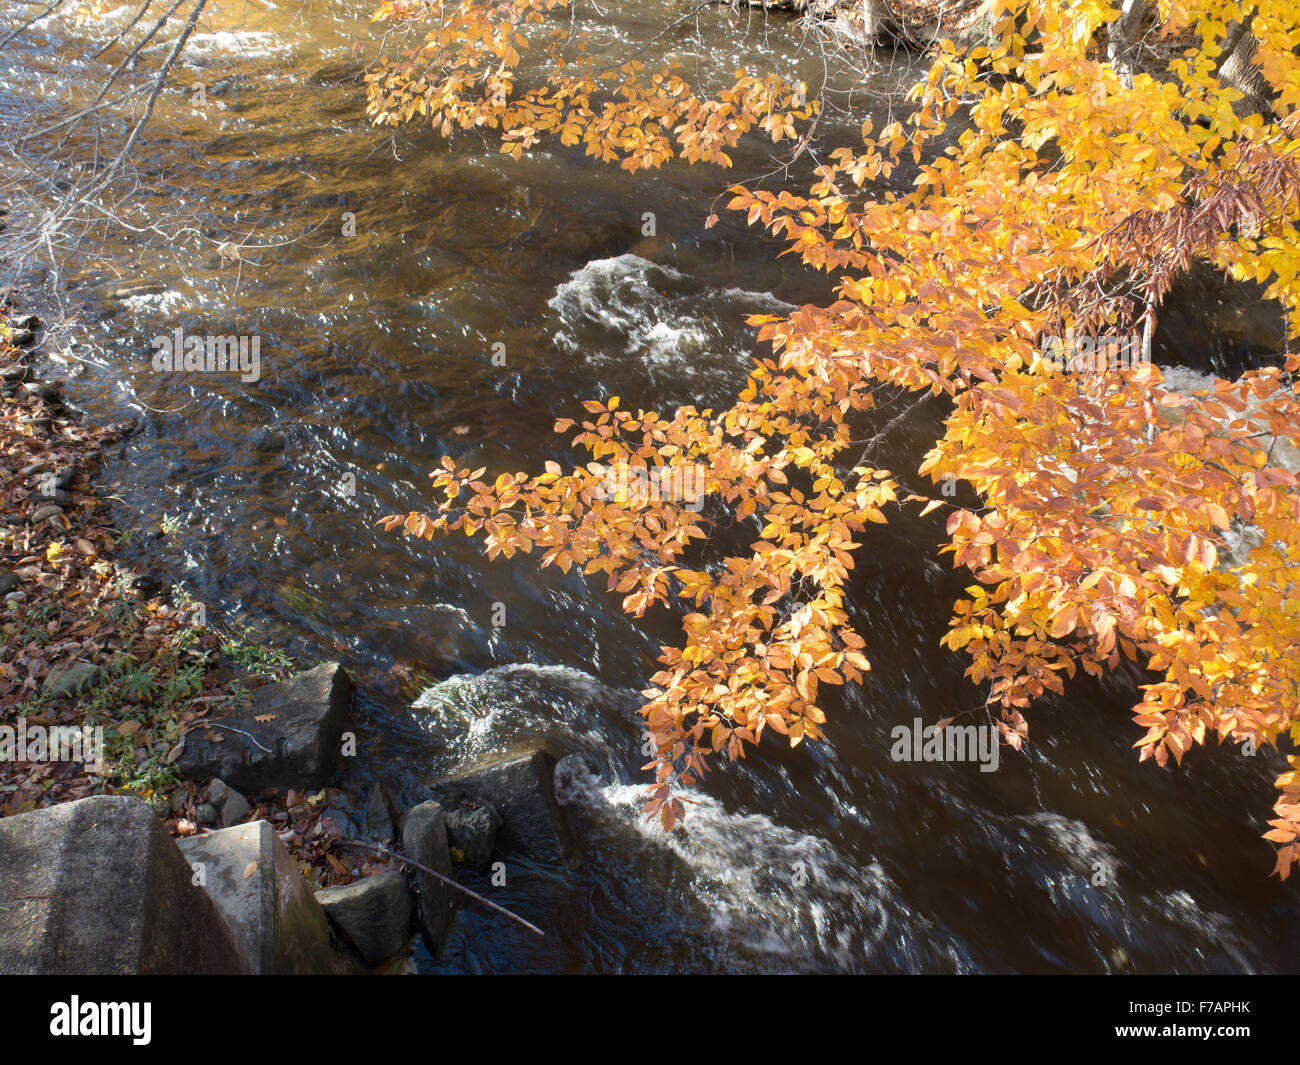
(94, 644)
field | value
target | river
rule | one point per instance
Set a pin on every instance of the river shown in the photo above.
(376, 360)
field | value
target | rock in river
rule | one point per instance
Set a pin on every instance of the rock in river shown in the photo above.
(424, 839)
(374, 913)
(520, 785)
(295, 744)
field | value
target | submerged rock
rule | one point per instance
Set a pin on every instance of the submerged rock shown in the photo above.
(338, 73)
(266, 439)
(134, 288)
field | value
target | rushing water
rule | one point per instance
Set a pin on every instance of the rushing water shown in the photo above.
(376, 361)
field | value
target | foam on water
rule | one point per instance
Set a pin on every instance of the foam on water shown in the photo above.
(617, 294)
(775, 897)
(662, 316)
(767, 895)
(480, 713)
(1212, 928)
(166, 302)
(203, 48)
(1104, 906)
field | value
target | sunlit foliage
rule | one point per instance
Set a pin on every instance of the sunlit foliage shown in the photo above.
(1052, 197)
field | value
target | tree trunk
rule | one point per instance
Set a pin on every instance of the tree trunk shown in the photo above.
(1238, 70)
(875, 13)
(1121, 49)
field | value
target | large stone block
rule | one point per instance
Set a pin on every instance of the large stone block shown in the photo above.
(521, 787)
(97, 886)
(373, 912)
(424, 839)
(296, 746)
(269, 907)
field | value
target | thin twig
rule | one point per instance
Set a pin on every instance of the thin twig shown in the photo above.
(890, 426)
(222, 724)
(384, 852)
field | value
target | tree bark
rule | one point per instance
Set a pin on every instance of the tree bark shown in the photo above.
(1238, 70)
(1121, 49)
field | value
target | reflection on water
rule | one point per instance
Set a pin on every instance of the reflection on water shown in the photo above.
(376, 350)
